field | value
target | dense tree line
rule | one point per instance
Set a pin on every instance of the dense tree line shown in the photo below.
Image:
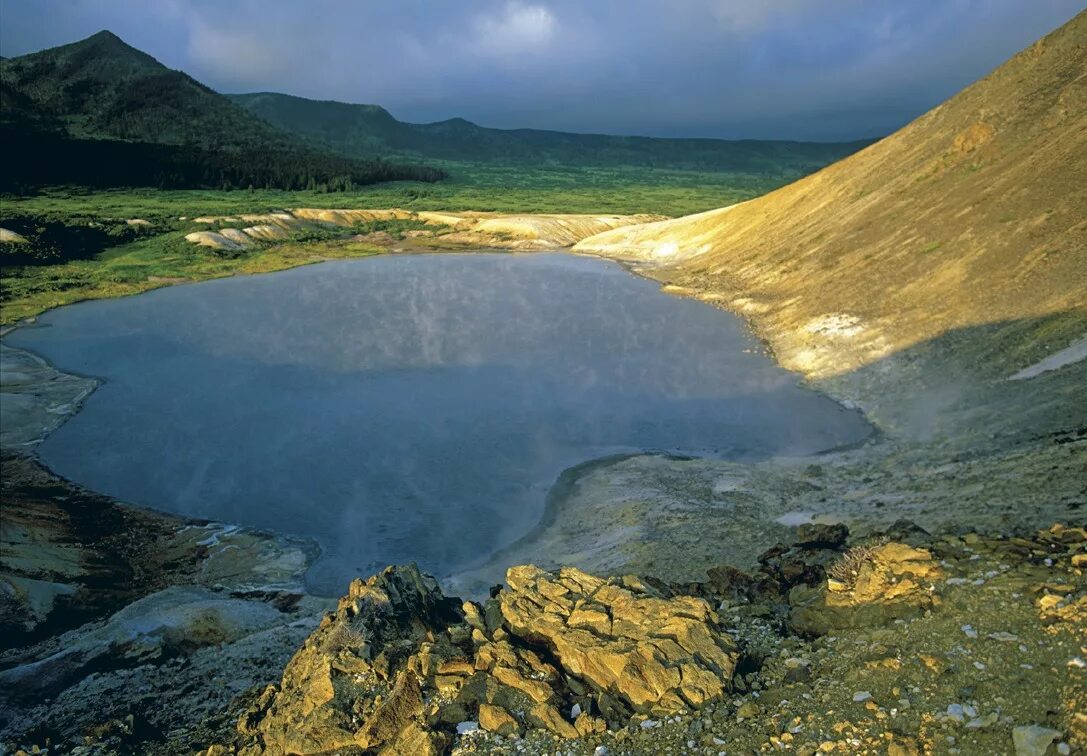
(35, 159)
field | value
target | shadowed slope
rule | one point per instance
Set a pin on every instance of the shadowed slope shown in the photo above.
(101, 87)
(99, 113)
(972, 214)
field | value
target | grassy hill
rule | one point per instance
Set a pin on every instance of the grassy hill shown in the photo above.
(101, 87)
(100, 112)
(367, 130)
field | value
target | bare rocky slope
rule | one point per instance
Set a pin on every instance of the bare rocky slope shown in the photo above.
(971, 216)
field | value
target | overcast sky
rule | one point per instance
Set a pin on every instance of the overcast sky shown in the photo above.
(797, 69)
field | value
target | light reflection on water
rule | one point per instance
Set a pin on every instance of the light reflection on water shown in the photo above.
(408, 408)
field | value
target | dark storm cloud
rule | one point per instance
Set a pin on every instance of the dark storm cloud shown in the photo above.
(805, 69)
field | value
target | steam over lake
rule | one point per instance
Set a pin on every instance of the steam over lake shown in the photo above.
(408, 408)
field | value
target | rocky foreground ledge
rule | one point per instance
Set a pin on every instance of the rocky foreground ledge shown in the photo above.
(905, 644)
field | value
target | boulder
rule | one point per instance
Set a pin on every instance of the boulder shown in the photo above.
(355, 684)
(497, 720)
(1033, 740)
(892, 581)
(814, 535)
(657, 655)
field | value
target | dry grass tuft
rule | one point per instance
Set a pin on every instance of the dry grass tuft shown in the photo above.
(343, 637)
(846, 569)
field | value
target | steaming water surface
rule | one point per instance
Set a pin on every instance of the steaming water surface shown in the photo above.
(408, 408)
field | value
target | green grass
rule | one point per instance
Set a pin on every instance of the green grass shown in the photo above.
(158, 259)
(490, 188)
(148, 264)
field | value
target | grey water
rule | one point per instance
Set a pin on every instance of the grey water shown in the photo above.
(408, 408)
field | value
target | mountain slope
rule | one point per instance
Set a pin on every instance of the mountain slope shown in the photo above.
(366, 130)
(974, 216)
(101, 113)
(102, 87)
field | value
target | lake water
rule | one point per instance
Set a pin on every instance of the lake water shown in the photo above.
(408, 408)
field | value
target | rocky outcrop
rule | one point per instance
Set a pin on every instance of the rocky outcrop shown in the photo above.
(868, 586)
(175, 620)
(69, 556)
(356, 683)
(350, 217)
(655, 655)
(213, 240)
(399, 668)
(124, 624)
(553, 656)
(457, 229)
(263, 227)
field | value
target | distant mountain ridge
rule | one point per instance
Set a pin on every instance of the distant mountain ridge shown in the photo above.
(365, 130)
(99, 112)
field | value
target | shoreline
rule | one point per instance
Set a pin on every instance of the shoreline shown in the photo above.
(552, 507)
(652, 514)
(779, 472)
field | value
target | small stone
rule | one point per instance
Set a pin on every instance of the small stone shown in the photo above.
(955, 712)
(465, 728)
(601, 751)
(1033, 740)
(587, 725)
(969, 631)
(1077, 662)
(497, 720)
(901, 745)
(649, 724)
(978, 723)
(1004, 637)
(749, 710)
(861, 696)
(821, 536)
(1064, 749)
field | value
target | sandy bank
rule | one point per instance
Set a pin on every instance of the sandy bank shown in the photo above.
(466, 230)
